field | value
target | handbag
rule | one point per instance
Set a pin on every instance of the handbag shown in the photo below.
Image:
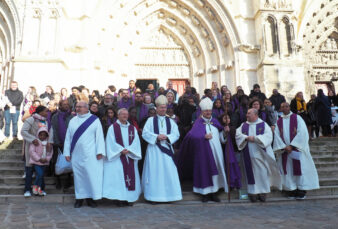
(62, 166)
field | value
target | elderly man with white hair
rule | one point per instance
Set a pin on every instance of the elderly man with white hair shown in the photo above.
(84, 146)
(121, 179)
(254, 138)
(160, 181)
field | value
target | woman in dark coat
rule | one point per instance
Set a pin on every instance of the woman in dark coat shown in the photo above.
(323, 112)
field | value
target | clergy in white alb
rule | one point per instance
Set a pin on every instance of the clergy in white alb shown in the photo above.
(291, 144)
(84, 146)
(254, 138)
(201, 155)
(160, 181)
(121, 178)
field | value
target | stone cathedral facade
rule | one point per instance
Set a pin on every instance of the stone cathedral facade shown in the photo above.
(290, 45)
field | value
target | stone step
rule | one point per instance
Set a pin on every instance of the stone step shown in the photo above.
(328, 181)
(12, 163)
(7, 152)
(322, 153)
(328, 172)
(18, 189)
(19, 171)
(18, 180)
(322, 165)
(70, 198)
(325, 159)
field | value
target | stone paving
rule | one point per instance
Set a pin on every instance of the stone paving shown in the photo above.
(296, 214)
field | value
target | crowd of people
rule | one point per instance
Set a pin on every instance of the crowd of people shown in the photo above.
(112, 139)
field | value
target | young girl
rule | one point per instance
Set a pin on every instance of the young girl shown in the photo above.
(39, 158)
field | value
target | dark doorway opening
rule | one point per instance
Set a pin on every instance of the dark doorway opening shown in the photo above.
(143, 84)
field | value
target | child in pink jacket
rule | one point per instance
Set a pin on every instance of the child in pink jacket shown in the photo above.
(39, 158)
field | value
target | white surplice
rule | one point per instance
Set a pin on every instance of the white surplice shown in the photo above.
(264, 165)
(160, 181)
(88, 171)
(114, 186)
(219, 181)
(309, 178)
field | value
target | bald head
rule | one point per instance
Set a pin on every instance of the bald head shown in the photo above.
(285, 108)
(81, 107)
(252, 115)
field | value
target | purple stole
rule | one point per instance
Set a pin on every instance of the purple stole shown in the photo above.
(260, 128)
(293, 131)
(128, 168)
(82, 128)
(165, 150)
(217, 112)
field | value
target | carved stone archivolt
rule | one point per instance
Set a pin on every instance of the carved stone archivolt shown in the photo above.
(321, 43)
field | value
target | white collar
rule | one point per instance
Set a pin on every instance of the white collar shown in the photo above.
(84, 115)
(123, 125)
(286, 116)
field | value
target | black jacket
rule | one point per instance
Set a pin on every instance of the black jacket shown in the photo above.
(277, 100)
(15, 97)
(259, 95)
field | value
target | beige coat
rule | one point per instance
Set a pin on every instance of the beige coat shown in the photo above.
(29, 130)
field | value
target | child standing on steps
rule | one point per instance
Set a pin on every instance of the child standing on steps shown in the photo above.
(39, 157)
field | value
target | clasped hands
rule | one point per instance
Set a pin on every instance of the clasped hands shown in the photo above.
(288, 149)
(250, 138)
(98, 157)
(161, 137)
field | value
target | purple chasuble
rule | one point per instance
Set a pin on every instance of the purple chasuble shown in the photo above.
(122, 104)
(128, 167)
(293, 132)
(62, 124)
(260, 128)
(235, 171)
(80, 130)
(217, 112)
(195, 159)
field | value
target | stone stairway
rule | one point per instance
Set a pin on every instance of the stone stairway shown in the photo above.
(323, 150)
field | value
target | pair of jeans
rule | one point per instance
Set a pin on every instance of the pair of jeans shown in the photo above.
(14, 119)
(28, 180)
(1, 119)
(39, 175)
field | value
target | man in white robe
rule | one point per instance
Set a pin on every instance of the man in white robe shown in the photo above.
(84, 146)
(121, 180)
(160, 181)
(261, 168)
(291, 144)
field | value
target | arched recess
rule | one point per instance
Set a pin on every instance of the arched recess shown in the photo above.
(271, 36)
(319, 34)
(9, 39)
(202, 31)
(287, 37)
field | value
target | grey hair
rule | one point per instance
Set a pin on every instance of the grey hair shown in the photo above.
(120, 110)
(85, 103)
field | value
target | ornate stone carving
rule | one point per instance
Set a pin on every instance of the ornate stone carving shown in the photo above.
(171, 21)
(214, 69)
(249, 48)
(204, 32)
(200, 72)
(210, 13)
(182, 29)
(196, 51)
(211, 45)
(276, 4)
(195, 20)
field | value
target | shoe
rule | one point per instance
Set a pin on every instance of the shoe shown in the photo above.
(40, 192)
(205, 198)
(35, 189)
(24, 176)
(253, 198)
(301, 195)
(292, 195)
(78, 203)
(213, 197)
(91, 203)
(262, 197)
(44, 193)
(27, 194)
